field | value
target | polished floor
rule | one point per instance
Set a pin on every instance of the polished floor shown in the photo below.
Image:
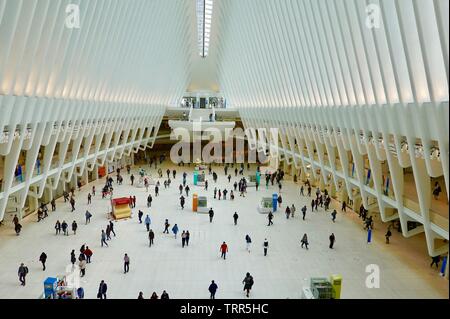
(187, 272)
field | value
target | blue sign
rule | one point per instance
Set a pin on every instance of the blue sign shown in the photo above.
(275, 202)
(369, 236)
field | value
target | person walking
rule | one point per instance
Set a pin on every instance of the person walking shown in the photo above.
(313, 204)
(89, 198)
(103, 238)
(22, 272)
(148, 221)
(111, 228)
(304, 241)
(88, 253)
(212, 289)
(182, 201)
(43, 259)
(248, 283)
(82, 265)
(188, 235)
(435, 261)
(333, 215)
(108, 232)
(53, 203)
(151, 237)
(211, 215)
(181, 189)
(73, 259)
(388, 235)
(74, 227)
(223, 250)
(270, 217)
(293, 209)
(235, 218)
(344, 207)
(102, 289)
(301, 190)
(266, 246)
(248, 241)
(58, 227)
(215, 192)
(88, 216)
(332, 240)
(183, 239)
(164, 294)
(186, 189)
(166, 227)
(72, 203)
(288, 212)
(93, 190)
(140, 214)
(175, 230)
(126, 263)
(64, 227)
(280, 200)
(149, 200)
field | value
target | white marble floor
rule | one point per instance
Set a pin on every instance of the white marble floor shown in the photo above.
(186, 273)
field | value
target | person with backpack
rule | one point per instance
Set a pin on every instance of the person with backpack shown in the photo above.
(22, 272)
(175, 230)
(64, 227)
(166, 227)
(88, 216)
(248, 283)
(235, 218)
(212, 289)
(333, 215)
(304, 241)
(182, 201)
(43, 259)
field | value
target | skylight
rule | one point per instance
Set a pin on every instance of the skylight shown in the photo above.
(204, 17)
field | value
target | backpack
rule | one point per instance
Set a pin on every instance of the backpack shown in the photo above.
(26, 270)
(250, 281)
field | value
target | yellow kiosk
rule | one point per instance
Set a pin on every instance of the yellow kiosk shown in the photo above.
(121, 208)
(336, 283)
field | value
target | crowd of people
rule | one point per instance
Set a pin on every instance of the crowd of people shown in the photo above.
(321, 198)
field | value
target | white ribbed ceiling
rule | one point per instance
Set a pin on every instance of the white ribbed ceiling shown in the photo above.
(262, 52)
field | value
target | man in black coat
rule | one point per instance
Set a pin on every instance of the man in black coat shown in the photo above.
(102, 288)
